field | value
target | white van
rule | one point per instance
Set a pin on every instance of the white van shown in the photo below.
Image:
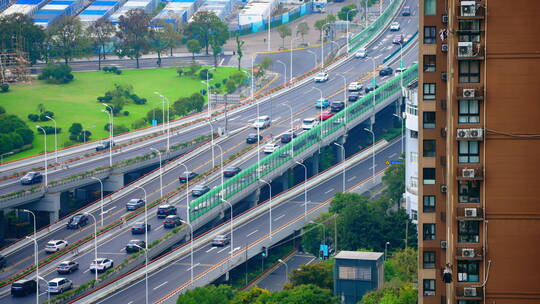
(309, 123)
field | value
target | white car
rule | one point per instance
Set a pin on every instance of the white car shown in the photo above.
(262, 122)
(309, 123)
(361, 53)
(59, 285)
(400, 70)
(321, 77)
(355, 86)
(55, 246)
(269, 148)
(394, 26)
(101, 264)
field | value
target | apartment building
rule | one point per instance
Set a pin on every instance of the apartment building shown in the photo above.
(479, 152)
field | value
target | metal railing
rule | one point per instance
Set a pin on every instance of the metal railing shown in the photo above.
(282, 156)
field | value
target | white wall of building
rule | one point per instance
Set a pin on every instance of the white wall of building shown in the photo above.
(411, 154)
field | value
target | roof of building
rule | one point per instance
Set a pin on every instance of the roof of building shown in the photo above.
(359, 255)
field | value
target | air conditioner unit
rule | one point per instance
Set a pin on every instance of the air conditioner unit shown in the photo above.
(444, 47)
(469, 291)
(443, 244)
(468, 252)
(468, 8)
(467, 173)
(462, 133)
(444, 188)
(465, 49)
(471, 212)
(468, 93)
(476, 133)
(444, 19)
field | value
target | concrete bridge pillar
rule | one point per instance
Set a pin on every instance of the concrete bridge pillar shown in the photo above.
(49, 203)
(252, 199)
(312, 164)
(114, 182)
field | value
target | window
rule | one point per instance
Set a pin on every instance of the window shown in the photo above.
(429, 232)
(429, 63)
(469, 191)
(412, 109)
(468, 152)
(414, 215)
(469, 71)
(430, 35)
(468, 302)
(429, 176)
(413, 183)
(429, 259)
(468, 231)
(469, 31)
(469, 111)
(429, 91)
(429, 120)
(430, 7)
(355, 273)
(414, 134)
(429, 149)
(429, 287)
(414, 157)
(468, 271)
(428, 204)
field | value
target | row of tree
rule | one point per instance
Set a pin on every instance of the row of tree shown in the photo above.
(14, 132)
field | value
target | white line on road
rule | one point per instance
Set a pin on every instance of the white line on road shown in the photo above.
(213, 248)
(193, 266)
(236, 248)
(375, 47)
(352, 178)
(234, 118)
(106, 211)
(160, 285)
(159, 227)
(329, 190)
(373, 166)
(222, 249)
(297, 120)
(277, 118)
(377, 57)
(279, 217)
(389, 47)
(87, 270)
(251, 233)
(130, 302)
(393, 154)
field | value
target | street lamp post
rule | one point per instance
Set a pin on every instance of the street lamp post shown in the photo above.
(314, 56)
(55, 138)
(95, 243)
(372, 152)
(191, 249)
(284, 72)
(111, 130)
(208, 90)
(292, 127)
(2, 157)
(46, 284)
(270, 188)
(160, 173)
(286, 269)
(305, 188)
(37, 266)
(323, 229)
(145, 268)
(322, 45)
(344, 98)
(84, 133)
(290, 67)
(374, 84)
(145, 224)
(343, 164)
(385, 249)
(232, 226)
(187, 195)
(212, 141)
(320, 117)
(221, 162)
(163, 99)
(45, 152)
(101, 187)
(402, 130)
(348, 21)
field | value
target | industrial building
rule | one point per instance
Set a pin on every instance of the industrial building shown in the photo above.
(145, 5)
(99, 10)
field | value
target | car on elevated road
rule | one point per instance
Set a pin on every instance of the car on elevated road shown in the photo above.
(67, 267)
(138, 228)
(221, 240)
(337, 106)
(172, 221)
(262, 122)
(325, 115)
(354, 86)
(134, 204)
(231, 171)
(165, 210)
(394, 26)
(77, 221)
(322, 103)
(398, 39)
(321, 77)
(135, 246)
(59, 285)
(386, 71)
(104, 145)
(406, 11)
(31, 177)
(361, 53)
(199, 190)
(270, 148)
(309, 123)
(101, 264)
(354, 96)
(252, 138)
(55, 246)
(187, 176)
(23, 287)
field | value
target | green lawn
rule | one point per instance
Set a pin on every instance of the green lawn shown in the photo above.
(76, 101)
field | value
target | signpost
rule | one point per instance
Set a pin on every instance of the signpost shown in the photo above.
(225, 99)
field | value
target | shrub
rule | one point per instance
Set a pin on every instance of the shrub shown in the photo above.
(217, 85)
(203, 74)
(106, 69)
(43, 116)
(203, 92)
(76, 128)
(118, 129)
(180, 71)
(2, 110)
(27, 135)
(33, 117)
(56, 73)
(118, 72)
(138, 123)
(49, 130)
(73, 137)
(126, 113)
(5, 87)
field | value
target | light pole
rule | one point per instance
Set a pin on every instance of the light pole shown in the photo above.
(2, 157)
(286, 269)
(221, 161)
(270, 188)
(187, 194)
(55, 138)
(372, 152)
(348, 21)
(343, 164)
(290, 66)
(37, 266)
(374, 84)
(323, 230)
(145, 268)
(110, 132)
(208, 90)
(401, 64)
(191, 249)
(284, 72)
(95, 243)
(47, 286)
(320, 117)
(45, 152)
(336, 44)
(269, 23)
(212, 141)
(160, 173)
(145, 226)
(322, 46)
(84, 133)
(344, 98)
(101, 187)
(232, 226)
(258, 114)
(163, 99)
(366, 2)
(402, 129)
(314, 56)
(292, 127)
(305, 188)
(385, 249)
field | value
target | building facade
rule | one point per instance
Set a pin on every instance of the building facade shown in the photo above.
(479, 152)
(411, 152)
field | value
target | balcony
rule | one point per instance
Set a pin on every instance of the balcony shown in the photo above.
(470, 92)
(470, 50)
(470, 10)
(470, 253)
(470, 173)
(469, 292)
(470, 214)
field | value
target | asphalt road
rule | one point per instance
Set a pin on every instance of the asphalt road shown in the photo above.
(276, 279)
(301, 99)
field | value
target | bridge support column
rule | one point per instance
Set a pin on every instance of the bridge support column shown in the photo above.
(312, 164)
(49, 203)
(252, 199)
(282, 182)
(114, 182)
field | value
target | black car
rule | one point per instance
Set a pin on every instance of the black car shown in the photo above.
(187, 176)
(31, 178)
(199, 190)
(252, 138)
(77, 221)
(138, 228)
(370, 88)
(165, 210)
(172, 221)
(337, 106)
(354, 96)
(287, 137)
(104, 145)
(386, 71)
(23, 287)
(135, 245)
(231, 171)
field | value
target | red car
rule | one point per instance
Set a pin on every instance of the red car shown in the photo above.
(325, 115)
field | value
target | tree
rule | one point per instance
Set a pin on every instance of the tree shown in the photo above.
(100, 33)
(394, 180)
(318, 274)
(284, 31)
(202, 26)
(219, 33)
(231, 86)
(197, 102)
(302, 294)
(18, 31)
(248, 296)
(239, 51)
(182, 106)
(133, 35)
(302, 29)
(348, 12)
(266, 63)
(210, 294)
(238, 78)
(172, 35)
(193, 47)
(158, 40)
(26, 134)
(68, 39)
(56, 73)
(405, 263)
(319, 24)
(75, 129)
